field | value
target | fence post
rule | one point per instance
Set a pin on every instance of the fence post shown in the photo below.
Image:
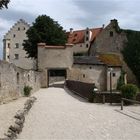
(103, 98)
(121, 104)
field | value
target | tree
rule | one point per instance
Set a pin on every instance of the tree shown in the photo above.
(131, 52)
(4, 3)
(45, 30)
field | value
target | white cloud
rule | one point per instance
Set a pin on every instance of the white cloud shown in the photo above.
(72, 13)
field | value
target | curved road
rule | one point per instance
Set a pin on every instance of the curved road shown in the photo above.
(58, 114)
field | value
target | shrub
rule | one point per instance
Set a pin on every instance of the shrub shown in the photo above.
(27, 90)
(129, 91)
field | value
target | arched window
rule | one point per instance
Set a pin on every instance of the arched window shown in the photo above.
(0, 80)
(17, 78)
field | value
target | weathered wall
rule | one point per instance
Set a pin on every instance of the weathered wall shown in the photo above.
(13, 80)
(54, 58)
(105, 43)
(89, 74)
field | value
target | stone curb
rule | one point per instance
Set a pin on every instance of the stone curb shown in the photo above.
(16, 128)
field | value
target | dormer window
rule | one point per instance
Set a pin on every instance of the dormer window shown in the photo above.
(18, 29)
(111, 33)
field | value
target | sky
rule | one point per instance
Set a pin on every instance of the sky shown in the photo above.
(76, 14)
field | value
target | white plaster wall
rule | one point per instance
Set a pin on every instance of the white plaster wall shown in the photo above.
(20, 35)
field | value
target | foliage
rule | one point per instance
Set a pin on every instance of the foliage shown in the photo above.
(129, 91)
(131, 52)
(121, 81)
(27, 90)
(43, 30)
(4, 3)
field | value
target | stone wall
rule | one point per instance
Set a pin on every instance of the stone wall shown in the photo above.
(95, 74)
(13, 80)
(112, 40)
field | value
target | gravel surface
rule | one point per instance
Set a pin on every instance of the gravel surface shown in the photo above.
(58, 114)
(7, 112)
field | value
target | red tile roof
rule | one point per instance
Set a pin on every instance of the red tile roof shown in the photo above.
(78, 36)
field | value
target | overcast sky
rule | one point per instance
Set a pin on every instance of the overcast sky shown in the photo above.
(77, 14)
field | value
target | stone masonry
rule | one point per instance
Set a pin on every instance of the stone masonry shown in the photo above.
(13, 80)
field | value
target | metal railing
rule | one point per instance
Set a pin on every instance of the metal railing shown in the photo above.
(129, 100)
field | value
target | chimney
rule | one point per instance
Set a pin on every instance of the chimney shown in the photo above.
(71, 30)
(114, 21)
(103, 26)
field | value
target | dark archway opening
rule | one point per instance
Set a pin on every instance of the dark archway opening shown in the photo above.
(57, 77)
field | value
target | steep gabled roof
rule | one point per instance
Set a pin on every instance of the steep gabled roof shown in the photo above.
(77, 36)
(20, 21)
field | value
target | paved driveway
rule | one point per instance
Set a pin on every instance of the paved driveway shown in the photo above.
(58, 114)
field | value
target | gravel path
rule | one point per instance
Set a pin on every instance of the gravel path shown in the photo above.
(7, 112)
(59, 115)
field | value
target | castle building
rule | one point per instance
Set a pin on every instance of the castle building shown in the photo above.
(82, 39)
(13, 51)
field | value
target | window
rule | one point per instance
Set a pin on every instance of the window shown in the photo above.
(17, 78)
(16, 56)
(90, 67)
(24, 28)
(14, 35)
(28, 77)
(111, 33)
(74, 40)
(8, 45)
(35, 78)
(8, 56)
(87, 38)
(18, 28)
(75, 35)
(114, 74)
(17, 45)
(87, 45)
(84, 76)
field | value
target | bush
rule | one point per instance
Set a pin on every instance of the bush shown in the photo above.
(129, 91)
(27, 90)
(121, 82)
